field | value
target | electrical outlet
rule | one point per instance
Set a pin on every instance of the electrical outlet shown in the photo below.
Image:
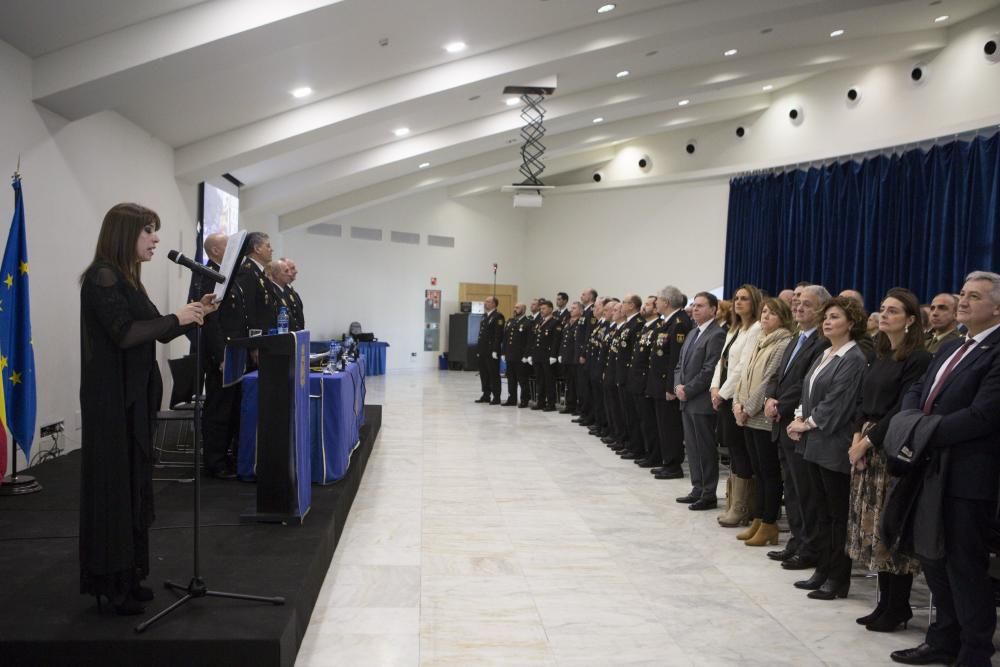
(51, 429)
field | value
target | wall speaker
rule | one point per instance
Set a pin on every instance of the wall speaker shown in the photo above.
(991, 49)
(690, 148)
(795, 114)
(853, 95)
(742, 131)
(918, 74)
(598, 176)
(645, 163)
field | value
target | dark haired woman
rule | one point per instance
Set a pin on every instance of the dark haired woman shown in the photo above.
(120, 390)
(825, 423)
(900, 360)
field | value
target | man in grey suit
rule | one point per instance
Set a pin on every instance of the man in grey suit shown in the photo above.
(693, 375)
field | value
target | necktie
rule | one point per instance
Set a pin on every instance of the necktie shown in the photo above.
(694, 339)
(936, 389)
(795, 351)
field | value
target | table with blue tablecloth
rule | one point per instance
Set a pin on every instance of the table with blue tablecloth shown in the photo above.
(374, 353)
(336, 414)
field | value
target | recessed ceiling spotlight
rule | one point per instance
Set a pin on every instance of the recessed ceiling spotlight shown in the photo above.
(401, 131)
(599, 119)
(474, 98)
(423, 165)
(942, 19)
(730, 52)
(512, 101)
(684, 103)
(304, 91)
(651, 53)
(766, 31)
(622, 74)
(837, 33)
(604, 9)
(768, 87)
(454, 47)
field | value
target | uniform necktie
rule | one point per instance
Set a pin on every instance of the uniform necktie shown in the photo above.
(795, 351)
(936, 389)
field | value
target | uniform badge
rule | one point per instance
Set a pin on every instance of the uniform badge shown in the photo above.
(680, 338)
(659, 353)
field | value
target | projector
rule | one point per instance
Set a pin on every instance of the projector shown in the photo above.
(527, 200)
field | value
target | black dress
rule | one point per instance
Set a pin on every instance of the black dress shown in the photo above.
(120, 390)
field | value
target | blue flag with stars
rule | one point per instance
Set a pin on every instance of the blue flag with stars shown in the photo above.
(17, 359)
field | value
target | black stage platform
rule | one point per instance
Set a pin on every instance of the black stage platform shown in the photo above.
(45, 621)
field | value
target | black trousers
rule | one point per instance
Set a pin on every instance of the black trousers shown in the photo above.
(570, 375)
(220, 420)
(796, 487)
(960, 582)
(647, 426)
(582, 387)
(633, 432)
(513, 378)
(546, 383)
(613, 410)
(831, 494)
(670, 432)
(767, 471)
(598, 406)
(489, 375)
(731, 437)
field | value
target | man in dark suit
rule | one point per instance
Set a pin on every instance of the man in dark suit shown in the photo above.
(628, 338)
(258, 301)
(488, 349)
(962, 385)
(646, 445)
(784, 392)
(587, 322)
(515, 346)
(545, 353)
(660, 383)
(943, 324)
(693, 375)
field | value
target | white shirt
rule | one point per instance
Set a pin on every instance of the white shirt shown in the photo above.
(978, 339)
(631, 317)
(259, 265)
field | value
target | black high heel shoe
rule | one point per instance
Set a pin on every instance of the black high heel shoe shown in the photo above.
(831, 589)
(142, 593)
(127, 606)
(870, 618)
(890, 620)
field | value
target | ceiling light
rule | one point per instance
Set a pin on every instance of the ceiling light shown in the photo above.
(599, 119)
(304, 91)
(730, 52)
(768, 87)
(942, 19)
(401, 131)
(423, 165)
(684, 103)
(454, 47)
(837, 33)
(604, 9)
(512, 101)
(622, 74)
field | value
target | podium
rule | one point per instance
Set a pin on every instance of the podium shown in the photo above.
(284, 470)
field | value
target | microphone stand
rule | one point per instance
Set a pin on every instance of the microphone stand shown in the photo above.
(196, 587)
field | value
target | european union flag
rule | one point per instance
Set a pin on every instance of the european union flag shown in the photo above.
(17, 359)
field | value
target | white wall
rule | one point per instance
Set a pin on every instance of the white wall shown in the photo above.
(72, 173)
(381, 284)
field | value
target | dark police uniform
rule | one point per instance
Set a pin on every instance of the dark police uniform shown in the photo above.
(515, 345)
(297, 316)
(568, 363)
(612, 399)
(548, 334)
(489, 343)
(582, 336)
(666, 354)
(645, 444)
(258, 301)
(628, 338)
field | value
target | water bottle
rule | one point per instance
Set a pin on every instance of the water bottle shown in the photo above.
(331, 360)
(282, 320)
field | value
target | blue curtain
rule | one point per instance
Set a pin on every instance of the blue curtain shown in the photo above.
(921, 219)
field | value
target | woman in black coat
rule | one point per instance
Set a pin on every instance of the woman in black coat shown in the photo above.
(120, 391)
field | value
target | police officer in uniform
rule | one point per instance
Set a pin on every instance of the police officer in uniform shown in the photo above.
(515, 346)
(627, 339)
(548, 334)
(587, 322)
(277, 273)
(488, 346)
(561, 312)
(674, 328)
(648, 447)
(260, 312)
(596, 419)
(298, 316)
(615, 431)
(567, 357)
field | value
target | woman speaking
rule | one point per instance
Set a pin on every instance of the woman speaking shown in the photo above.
(120, 391)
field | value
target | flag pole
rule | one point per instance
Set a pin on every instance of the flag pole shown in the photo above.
(14, 484)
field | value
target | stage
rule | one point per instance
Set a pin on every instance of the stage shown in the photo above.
(45, 621)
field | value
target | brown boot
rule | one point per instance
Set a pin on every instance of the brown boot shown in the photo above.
(729, 499)
(767, 533)
(739, 511)
(751, 531)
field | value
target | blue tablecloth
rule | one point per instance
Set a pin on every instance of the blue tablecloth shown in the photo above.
(374, 353)
(336, 414)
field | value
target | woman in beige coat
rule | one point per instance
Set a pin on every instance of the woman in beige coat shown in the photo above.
(748, 409)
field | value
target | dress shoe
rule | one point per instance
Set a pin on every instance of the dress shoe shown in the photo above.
(578, 420)
(653, 471)
(813, 583)
(704, 504)
(483, 399)
(781, 555)
(628, 456)
(522, 405)
(644, 464)
(509, 404)
(831, 590)
(608, 440)
(584, 422)
(548, 408)
(564, 411)
(495, 402)
(536, 406)
(669, 474)
(688, 499)
(925, 654)
(797, 562)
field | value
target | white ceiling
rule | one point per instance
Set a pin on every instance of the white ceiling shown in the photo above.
(212, 79)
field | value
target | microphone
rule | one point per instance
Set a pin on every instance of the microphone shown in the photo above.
(195, 267)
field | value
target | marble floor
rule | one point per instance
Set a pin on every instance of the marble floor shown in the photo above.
(487, 535)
